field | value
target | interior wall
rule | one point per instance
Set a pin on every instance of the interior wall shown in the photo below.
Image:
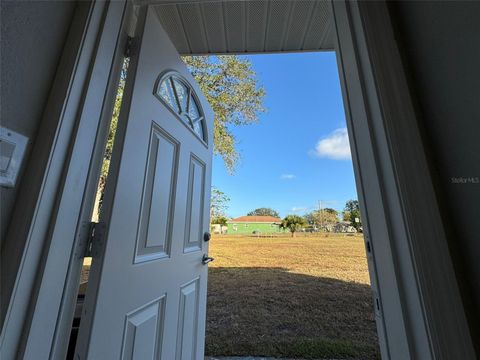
(440, 43)
(32, 37)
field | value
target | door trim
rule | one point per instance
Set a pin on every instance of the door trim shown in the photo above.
(409, 255)
(83, 339)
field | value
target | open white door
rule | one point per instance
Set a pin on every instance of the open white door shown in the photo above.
(146, 297)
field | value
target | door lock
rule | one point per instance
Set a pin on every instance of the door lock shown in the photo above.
(206, 259)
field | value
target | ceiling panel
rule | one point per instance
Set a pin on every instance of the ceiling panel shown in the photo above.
(215, 26)
(298, 25)
(320, 26)
(256, 25)
(236, 27)
(193, 25)
(277, 24)
(171, 20)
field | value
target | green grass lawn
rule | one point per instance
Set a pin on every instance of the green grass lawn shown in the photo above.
(304, 297)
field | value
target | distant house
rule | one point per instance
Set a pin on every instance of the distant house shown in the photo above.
(344, 227)
(218, 229)
(251, 224)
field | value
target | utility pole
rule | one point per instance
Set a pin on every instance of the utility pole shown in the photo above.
(320, 210)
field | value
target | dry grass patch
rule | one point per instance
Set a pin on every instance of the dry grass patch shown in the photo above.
(306, 297)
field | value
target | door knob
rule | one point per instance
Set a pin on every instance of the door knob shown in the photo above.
(206, 259)
(206, 236)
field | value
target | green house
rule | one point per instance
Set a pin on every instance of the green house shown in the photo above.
(254, 224)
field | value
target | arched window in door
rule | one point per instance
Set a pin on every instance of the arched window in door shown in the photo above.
(178, 95)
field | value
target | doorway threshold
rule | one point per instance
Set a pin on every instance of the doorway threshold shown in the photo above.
(250, 358)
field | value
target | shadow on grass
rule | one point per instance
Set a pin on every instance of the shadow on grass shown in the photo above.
(273, 312)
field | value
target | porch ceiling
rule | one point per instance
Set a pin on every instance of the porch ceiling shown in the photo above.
(248, 26)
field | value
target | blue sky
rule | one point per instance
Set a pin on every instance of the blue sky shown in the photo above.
(298, 153)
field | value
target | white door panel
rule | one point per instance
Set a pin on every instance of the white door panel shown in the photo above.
(146, 296)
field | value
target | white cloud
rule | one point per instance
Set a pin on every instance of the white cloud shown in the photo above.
(296, 209)
(287, 176)
(334, 146)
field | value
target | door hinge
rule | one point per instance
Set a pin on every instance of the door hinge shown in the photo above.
(95, 239)
(129, 47)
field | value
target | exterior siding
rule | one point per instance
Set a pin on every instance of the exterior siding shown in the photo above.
(249, 228)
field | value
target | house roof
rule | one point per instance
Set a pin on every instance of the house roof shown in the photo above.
(255, 219)
(246, 26)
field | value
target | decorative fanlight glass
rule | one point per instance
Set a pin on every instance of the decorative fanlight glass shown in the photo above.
(178, 95)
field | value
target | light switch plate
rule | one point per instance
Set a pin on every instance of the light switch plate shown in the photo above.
(12, 151)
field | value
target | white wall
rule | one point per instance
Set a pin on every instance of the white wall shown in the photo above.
(32, 40)
(440, 42)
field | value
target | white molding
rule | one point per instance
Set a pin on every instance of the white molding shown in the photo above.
(61, 159)
(109, 61)
(56, 298)
(84, 331)
(422, 315)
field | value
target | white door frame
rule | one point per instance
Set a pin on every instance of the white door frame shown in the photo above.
(419, 312)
